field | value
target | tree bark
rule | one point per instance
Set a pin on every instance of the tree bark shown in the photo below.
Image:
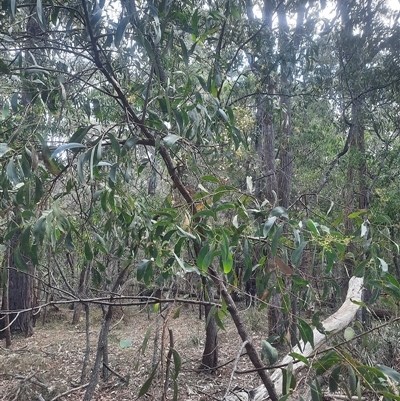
(210, 354)
(20, 292)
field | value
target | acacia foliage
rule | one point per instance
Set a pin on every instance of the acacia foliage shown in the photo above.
(99, 99)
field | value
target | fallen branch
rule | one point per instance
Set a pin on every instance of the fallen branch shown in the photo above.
(123, 379)
(333, 324)
(69, 392)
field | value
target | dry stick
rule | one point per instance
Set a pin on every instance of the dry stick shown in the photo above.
(115, 373)
(251, 351)
(234, 369)
(102, 345)
(9, 324)
(168, 365)
(87, 350)
(69, 392)
(109, 301)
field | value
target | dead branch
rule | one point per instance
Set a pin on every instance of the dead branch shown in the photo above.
(69, 391)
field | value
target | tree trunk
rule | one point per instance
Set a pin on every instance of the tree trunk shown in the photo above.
(83, 282)
(101, 347)
(20, 292)
(5, 319)
(210, 354)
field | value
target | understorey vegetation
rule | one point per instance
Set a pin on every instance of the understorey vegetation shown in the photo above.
(210, 188)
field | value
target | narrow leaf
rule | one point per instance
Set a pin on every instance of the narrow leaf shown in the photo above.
(3, 149)
(268, 352)
(120, 31)
(170, 139)
(19, 261)
(39, 10)
(147, 384)
(64, 147)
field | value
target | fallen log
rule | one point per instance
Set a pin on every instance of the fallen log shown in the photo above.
(333, 324)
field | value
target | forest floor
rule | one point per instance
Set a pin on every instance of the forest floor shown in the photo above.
(49, 363)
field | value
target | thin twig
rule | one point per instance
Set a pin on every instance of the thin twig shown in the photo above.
(234, 368)
(69, 392)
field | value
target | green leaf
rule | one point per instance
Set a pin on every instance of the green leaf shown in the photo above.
(227, 263)
(205, 257)
(96, 15)
(80, 134)
(114, 144)
(268, 352)
(121, 30)
(349, 334)
(268, 225)
(185, 233)
(14, 102)
(6, 110)
(328, 360)
(4, 149)
(145, 340)
(4, 67)
(384, 265)
(298, 253)
(69, 244)
(279, 211)
(393, 374)
(142, 267)
(19, 261)
(300, 357)
(170, 139)
(39, 10)
(177, 363)
(275, 240)
(25, 240)
(147, 384)
(39, 230)
(352, 380)
(312, 227)
(210, 178)
(360, 269)
(64, 147)
(334, 379)
(38, 190)
(125, 343)
(316, 392)
(88, 252)
(12, 173)
(306, 332)
(97, 109)
(184, 52)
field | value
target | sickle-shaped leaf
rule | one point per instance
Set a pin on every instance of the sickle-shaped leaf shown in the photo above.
(170, 139)
(269, 352)
(39, 10)
(3, 149)
(147, 384)
(64, 147)
(120, 31)
(19, 260)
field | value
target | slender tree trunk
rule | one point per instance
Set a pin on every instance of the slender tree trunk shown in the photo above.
(101, 346)
(210, 354)
(20, 292)
(83, 282)
(5, 319)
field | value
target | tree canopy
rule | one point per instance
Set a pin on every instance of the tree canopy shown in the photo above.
(231, 141)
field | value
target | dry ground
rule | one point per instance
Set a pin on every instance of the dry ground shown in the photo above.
(50, 362)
